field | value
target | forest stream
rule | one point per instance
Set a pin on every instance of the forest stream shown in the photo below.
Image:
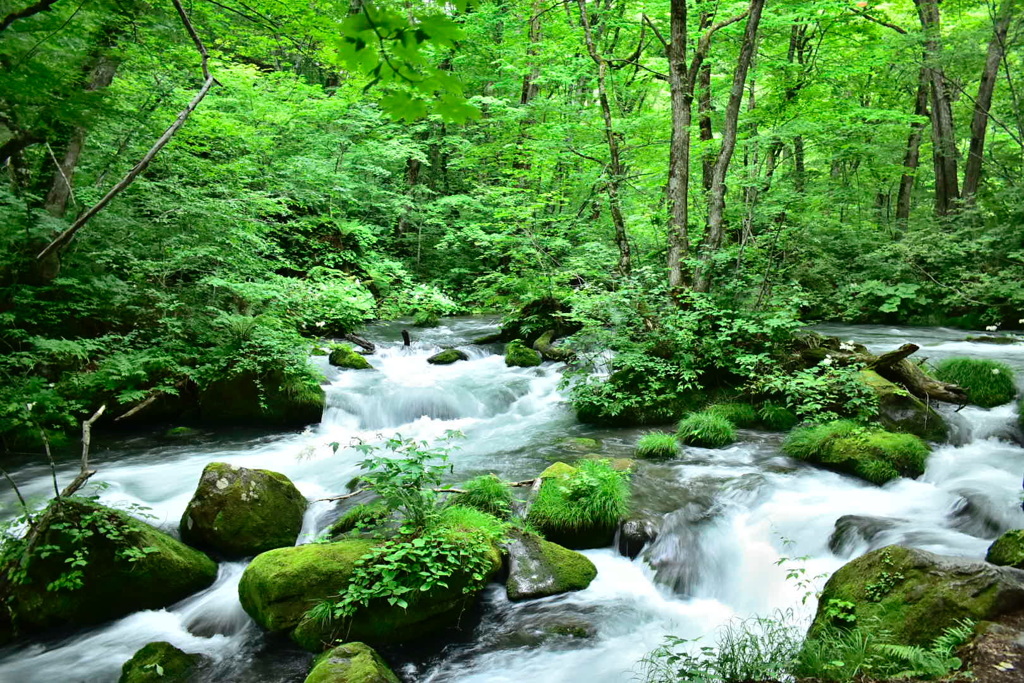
(730, 517)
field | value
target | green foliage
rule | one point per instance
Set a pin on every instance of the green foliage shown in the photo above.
(871, 454)
(777, 418)
(988, 383)
(820, 393)
(706, 429)
(741, 415)
(656, 445)
(426, 319)
(593, 495)
(488, 493)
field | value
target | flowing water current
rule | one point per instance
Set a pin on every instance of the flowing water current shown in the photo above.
(730, 518)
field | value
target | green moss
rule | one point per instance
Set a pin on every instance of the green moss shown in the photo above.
(129, 566)
(900, 411)
(777, 418)
(519, 356)
(706, 429)
(580, 444)
(915, 595)
(273, 400)
(1008, 549)
(540, 569)
(558, 469)
(426, 319)
(626, 399)
(581, 508)
(350, 663)
(871, 454)
(181, 433)
(740, 415)
(279, 586)
(343, 356)
(447, 357)
(488, 493)
(988, 383)
(656, 445)
(239, 511)
(365, 515)
(159, 662)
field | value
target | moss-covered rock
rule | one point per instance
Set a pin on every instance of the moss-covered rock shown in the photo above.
(364, 515)
(580, 507)
(181, 433)
(539, 568)
(871, 454)
(558, 469)
(350, 663)
(580, 444)
(915, 595)
(343, 356)
(1008, 549)
(280, 586)
(988, 383)
(272, 400)
(129, 566)
(901, 411)
(238, 512)
(160, 662)
(517, 355)
(447, 357)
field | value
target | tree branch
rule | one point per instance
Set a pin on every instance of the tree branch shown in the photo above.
(41, 6)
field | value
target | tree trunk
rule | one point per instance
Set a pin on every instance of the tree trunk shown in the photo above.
(704, 123)
(912, 157)
(943, 131)
(979, 124)
(716, 200)
(679, 147)
(530, 87)
(616, 170)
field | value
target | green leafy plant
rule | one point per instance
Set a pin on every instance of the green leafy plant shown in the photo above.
(706, 429)
(988, 383)
(656, 445)
(739, 414)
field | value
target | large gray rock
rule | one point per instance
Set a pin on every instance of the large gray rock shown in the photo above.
(238, 512)
(538, 568)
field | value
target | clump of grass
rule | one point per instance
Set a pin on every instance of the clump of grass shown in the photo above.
(594, 495)
(988, 383)
(844, 446)
(706, 429)
(777, 418)
(656, 445)
(487, 493)
(460, 518)
(740, 415)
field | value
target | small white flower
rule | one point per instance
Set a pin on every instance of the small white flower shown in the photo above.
(827, 360)
(320, 324)
(1021, 321)
(992, 328)
(30, 406)
(995, 371)
(847, 346)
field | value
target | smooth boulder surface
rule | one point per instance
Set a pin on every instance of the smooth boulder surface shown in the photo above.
(160, 662)
(350, 663)
(130, 566)
(447, 357)
(901, 411)
(915, 595)
(539, 568)
(1008, 550)
(238, 511)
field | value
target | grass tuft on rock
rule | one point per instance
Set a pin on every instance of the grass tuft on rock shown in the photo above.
(487, 493)
(776, 417)
(844, 446)
(742, 415)
(592, 497)
(988, 383)
(656, 445)
(706, 429)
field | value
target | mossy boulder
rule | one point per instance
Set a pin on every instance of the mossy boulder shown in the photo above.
(160, 662)
(539, 568)
(988, 383)
(129, 566)
(345, 357)
(280, 586)
(447, 357)
(580, 444)
(1008, 550)
(914, 595)
(237, 511)
(350, 663)
(273, 400)
(581, 507)
(871, 454)
(517, 355)
(901, 411)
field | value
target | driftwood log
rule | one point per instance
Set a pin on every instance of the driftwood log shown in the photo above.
(545, 344)
(367, 346)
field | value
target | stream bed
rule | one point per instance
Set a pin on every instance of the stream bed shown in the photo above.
(730, 518)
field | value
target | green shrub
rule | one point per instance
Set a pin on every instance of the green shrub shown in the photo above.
(871, 454)
(777, 418)
(706, 429)
(426, 319)
(988, 383)
(593, 495)
(740, 415)
(487, 493)
(656, 445)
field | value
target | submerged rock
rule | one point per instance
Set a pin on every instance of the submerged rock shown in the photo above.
(901, 411)
(128, 566)
(852, 531)
(539, 568)
(914, 595)
(350, 663)
(1008, 550)
(238, 511)
(636, 534)
(447, 357)
(161, 662)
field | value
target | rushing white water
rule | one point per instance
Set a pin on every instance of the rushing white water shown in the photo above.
(730, 519)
